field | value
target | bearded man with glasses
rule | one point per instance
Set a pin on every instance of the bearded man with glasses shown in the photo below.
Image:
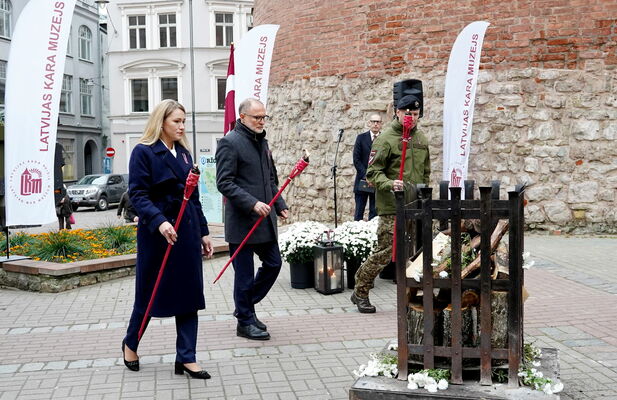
(245, 177)
(363, 192)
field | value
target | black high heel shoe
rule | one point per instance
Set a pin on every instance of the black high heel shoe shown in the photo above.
(181, 369)
(132, 365)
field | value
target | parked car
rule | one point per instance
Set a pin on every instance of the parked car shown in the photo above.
(98, 190)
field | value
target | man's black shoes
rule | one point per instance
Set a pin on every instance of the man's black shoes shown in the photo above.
(252, 332)
(260, 324)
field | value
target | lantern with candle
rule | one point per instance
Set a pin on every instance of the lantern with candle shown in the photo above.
(328, 265)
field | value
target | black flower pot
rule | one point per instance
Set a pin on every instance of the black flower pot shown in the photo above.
(302, 275)
(352, 265)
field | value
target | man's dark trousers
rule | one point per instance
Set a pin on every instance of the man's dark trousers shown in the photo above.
(361, 199)
(251, 288)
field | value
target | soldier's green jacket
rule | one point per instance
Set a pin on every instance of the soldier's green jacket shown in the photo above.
(385, 162)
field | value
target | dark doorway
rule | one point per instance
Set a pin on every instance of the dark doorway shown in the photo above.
(89, 152)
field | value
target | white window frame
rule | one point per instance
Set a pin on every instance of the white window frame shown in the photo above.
(241, 19)
(69, 46)
(168, 27)
(149, 99)
(67, 93)
(3, 64)
(224, 25)
(6, 11)
(85, 43)
(85, 93)
(160, 81)
(151, 11)
(216, 90)
(137, 28)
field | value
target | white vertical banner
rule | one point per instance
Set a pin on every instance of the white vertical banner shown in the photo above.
(252, 58)
(33, 86)
(459, 101)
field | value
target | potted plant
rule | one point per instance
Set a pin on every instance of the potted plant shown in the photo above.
(296, 245)
(358, 239)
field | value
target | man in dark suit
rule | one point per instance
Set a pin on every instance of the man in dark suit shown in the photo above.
(361, 151)
(245, 176)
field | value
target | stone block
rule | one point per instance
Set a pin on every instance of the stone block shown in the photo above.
(557, 211)
(583, 192)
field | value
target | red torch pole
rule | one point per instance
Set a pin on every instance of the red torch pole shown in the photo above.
(297, 170)
(191, 183)
(407, 124)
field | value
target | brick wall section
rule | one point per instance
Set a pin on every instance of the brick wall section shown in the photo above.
(367, 38)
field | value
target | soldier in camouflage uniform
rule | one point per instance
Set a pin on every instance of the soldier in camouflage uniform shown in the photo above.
(382, 172)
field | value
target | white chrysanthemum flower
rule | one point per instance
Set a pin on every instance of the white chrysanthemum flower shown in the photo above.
(442, 384)
(443, 274)
(558, 387)
(547, 388)
(432, 387)
(412, 385)
(393, 346)
(536, 363)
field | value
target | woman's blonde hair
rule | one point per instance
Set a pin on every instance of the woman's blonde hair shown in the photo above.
(154, 127)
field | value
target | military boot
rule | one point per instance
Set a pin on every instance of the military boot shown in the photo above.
(364, 305)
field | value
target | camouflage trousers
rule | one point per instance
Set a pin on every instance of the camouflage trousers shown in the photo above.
(379, 259)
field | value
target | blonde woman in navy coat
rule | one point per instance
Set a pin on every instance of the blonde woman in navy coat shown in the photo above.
(158, 169)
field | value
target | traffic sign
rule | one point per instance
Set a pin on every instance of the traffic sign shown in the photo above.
(110, 152)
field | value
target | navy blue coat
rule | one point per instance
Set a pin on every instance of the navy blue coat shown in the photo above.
(361, 152)
(156, 188)
(245, 175)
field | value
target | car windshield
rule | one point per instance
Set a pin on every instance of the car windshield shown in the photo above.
(93, 180)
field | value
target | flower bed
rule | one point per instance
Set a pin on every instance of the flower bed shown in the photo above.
(67, 246)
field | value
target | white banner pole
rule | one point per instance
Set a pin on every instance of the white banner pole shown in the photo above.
(252, 59)
(459, 101)
(33, 85)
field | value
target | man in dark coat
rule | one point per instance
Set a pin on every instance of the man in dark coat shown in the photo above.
(361, 150)
(245, 177)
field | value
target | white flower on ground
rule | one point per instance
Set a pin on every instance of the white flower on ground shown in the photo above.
(547, 388)
(443, 274)
(442, 384)
(536, 363)
(432, 388)
(558, 387)
(412, 385)
(393, 346)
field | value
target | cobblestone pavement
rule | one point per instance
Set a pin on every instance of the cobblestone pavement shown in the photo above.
(67, 345)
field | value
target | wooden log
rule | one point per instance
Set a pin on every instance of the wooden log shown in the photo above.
(415, 327)
(500, 230)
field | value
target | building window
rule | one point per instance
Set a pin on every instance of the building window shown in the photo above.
(221, 86)
(2, 81)
(169, 88)
(85, 96)
(139, 95)
(137, 32)
(69, 47)
(5, 18)
(224, 23)
(85, 43)
(66, 104)
(167, 30)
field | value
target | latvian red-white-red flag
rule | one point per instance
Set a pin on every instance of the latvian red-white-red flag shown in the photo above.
(230, 95)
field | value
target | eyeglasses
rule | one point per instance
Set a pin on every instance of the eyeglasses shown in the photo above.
(260, 117)
(375, 122)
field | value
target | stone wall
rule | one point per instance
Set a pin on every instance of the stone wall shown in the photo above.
(546, 105)
(553, 129)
